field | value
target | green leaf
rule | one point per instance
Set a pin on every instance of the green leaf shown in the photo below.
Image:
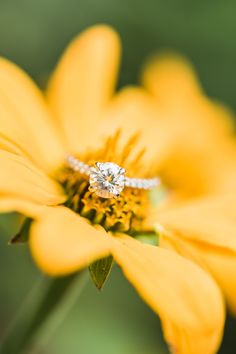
(100, 270)
(23, 235)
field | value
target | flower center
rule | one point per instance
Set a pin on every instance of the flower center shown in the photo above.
(101, 196)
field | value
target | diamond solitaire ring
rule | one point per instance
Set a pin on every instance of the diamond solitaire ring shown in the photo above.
(108, 180)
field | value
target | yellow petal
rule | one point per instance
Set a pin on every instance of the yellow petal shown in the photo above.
(200, 166)
(208, 220)
(25, 120)
(205, 232)
(222, 265)
(220, 262)
(20, 179)
(62, 242)
(185, 297)
(22, 206)
(84, 82)
(172, 80)
(8, 145)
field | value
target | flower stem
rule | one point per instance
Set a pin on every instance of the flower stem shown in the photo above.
(59, 296)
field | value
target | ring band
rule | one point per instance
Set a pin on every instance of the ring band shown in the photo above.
(107, 179)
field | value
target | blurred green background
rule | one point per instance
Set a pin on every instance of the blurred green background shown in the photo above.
(33, 34)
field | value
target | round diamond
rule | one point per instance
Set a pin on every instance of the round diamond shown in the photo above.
(107, 179)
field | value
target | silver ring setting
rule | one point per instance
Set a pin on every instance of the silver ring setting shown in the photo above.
(107, 179)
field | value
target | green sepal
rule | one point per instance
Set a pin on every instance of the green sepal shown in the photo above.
(23, 235)
(149, 238)
(100, 270)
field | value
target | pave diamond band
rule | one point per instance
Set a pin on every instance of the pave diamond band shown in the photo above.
(107, 179)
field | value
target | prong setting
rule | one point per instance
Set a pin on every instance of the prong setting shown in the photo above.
(107, 179)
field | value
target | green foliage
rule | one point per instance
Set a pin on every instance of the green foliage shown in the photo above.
(34, 33)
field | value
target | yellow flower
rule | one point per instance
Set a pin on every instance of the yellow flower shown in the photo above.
(83, 114)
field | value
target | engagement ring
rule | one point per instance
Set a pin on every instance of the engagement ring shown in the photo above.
(108, 180)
